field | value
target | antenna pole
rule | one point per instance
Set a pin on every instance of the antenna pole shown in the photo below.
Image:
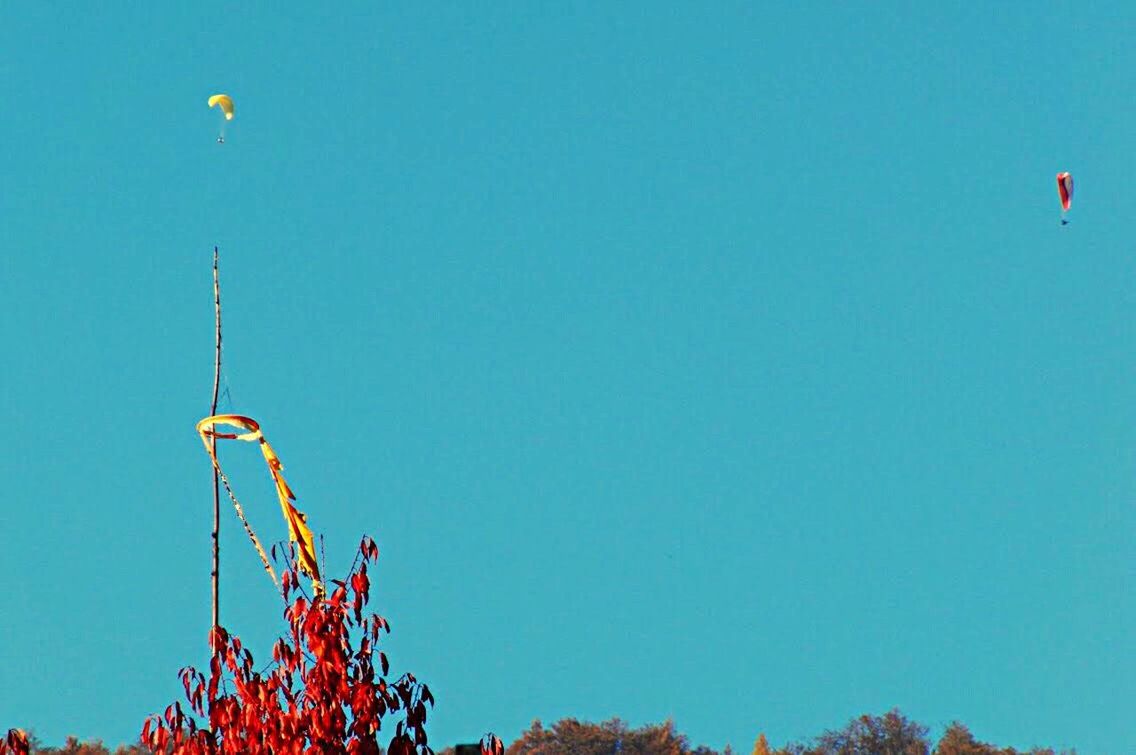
(213, 445)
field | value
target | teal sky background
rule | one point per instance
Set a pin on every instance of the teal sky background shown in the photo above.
(724, 362)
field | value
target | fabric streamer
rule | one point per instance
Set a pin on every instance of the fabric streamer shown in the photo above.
(298, 531)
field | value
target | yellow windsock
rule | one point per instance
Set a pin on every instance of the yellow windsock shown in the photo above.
(298, 531)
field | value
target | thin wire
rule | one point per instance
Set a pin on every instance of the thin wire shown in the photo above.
(241, 516)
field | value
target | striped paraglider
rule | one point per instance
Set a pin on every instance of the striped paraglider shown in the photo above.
(1065, 191)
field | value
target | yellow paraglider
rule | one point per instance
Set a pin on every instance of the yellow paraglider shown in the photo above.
(225, 102)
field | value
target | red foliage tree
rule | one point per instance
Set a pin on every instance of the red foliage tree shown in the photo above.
(15, 743)
(323, 692)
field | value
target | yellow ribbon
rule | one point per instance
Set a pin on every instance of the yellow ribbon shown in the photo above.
(298, 530)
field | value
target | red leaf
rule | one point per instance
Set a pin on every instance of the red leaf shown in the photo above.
(400, 744)
(196, 701)
(217, 638)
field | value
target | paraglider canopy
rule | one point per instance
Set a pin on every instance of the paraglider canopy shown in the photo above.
(1065, 190)
(225, 102)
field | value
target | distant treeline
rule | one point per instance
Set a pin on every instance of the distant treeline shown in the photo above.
(889, 734)
(74, 747)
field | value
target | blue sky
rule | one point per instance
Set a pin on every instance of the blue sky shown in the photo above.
(725, 363)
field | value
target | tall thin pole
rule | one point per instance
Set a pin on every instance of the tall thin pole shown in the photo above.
(213, 444)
